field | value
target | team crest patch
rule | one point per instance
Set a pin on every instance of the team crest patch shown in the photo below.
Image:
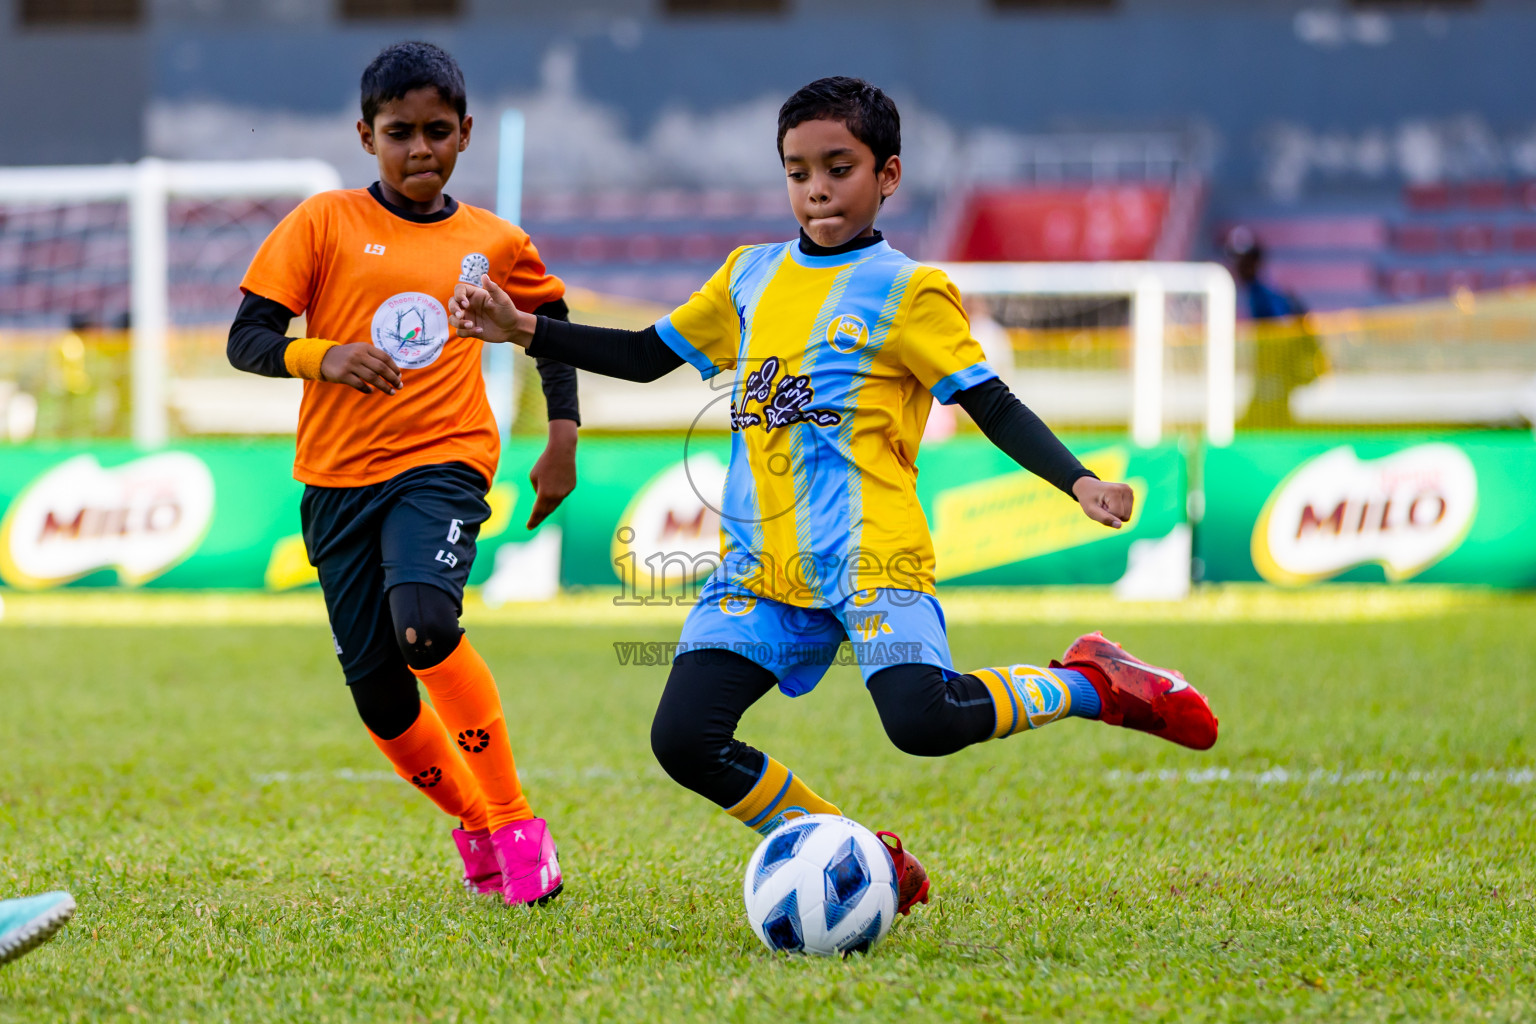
(847, 333)
(412, 328)
(475, 266)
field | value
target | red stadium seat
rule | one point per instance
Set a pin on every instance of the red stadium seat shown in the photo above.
(1486, 195)
(1474, 239)
(1522, 238)
(1418, 239)
(1424, 198)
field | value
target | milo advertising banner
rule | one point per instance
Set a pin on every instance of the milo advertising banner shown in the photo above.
(225, 515)
(1371, 508)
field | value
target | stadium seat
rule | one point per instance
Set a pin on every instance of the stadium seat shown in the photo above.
(1464, 279)
(1486, 195)
(1427, 198)
(1522, 237)
(1418, 239)
(1405, 284)
(1474, 239)
(1318, 277)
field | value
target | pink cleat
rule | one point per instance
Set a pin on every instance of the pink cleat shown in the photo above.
(526, 852)
(482, 872)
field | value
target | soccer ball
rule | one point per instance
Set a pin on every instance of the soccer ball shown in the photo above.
(820, 884)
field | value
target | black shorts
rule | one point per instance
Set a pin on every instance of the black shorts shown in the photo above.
(418, 527)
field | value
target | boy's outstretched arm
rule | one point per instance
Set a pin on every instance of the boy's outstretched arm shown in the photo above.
(553, 476)
(257, 344)
(1019, 433)
(489, 314)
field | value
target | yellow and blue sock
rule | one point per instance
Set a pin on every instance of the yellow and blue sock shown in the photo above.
(1028, 697)
(777, 796)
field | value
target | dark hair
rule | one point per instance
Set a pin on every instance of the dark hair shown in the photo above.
(405, 66)
(863, 109)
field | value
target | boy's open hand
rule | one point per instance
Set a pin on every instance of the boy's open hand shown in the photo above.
(361, 366)
(1104, 502)
(554, 475)
(486, 312)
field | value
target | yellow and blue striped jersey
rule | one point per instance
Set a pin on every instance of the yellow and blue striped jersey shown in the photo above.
(835, 359)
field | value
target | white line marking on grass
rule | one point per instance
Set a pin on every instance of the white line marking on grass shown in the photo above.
(1323, 777)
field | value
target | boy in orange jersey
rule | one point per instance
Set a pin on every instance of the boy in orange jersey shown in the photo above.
(397, 447)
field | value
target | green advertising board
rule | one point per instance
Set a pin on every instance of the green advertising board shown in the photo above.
(225, 515)
(1300, 509)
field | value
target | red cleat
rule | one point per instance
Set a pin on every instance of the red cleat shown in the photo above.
(1141, 696)
(911, 879)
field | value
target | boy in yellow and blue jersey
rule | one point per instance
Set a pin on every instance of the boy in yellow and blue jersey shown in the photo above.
(839, 344)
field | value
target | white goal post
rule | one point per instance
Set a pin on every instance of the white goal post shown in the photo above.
(1146, 285)
(146, 187)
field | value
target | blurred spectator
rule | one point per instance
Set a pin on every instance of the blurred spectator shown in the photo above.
(1286, 353)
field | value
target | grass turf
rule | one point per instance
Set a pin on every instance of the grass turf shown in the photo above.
(1357, 846)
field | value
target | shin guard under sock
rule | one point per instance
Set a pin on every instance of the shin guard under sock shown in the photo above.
(425, 757)
(778, 795)
(464, 692)
(1028, 697)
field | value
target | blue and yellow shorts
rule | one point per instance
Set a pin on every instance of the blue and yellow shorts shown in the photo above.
(883, 627)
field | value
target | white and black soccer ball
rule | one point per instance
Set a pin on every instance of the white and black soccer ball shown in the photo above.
(820, 884)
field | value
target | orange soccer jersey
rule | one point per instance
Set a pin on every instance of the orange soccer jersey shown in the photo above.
(363, 272)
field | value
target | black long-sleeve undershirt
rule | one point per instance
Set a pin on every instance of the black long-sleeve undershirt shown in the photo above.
(1020, 434)
(257, 341)
(643, 356)
(639, 356)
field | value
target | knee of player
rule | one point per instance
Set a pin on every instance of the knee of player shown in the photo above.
(913, 736)
(426, 624)
(680, 748)
(903, 698)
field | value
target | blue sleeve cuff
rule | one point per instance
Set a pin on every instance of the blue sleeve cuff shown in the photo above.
(946, 389)
(679, 344)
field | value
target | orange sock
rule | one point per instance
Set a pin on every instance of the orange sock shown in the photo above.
(464, 693)
(425, 757)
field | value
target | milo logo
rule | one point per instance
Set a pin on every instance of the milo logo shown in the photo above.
(1404, 512)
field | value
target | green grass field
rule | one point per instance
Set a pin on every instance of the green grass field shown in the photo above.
(1359, 845)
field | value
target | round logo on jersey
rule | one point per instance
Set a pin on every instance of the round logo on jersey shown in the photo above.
(847, 333)
(475, 265)
(412, 328)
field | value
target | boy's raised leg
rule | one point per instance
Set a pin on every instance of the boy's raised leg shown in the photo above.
(1137, 695)
(1098, 679)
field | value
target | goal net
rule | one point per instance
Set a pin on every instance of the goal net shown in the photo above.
(117, 288)
(1147, 347)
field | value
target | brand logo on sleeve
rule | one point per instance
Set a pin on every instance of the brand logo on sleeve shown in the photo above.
(474, 267)
(412, 328)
